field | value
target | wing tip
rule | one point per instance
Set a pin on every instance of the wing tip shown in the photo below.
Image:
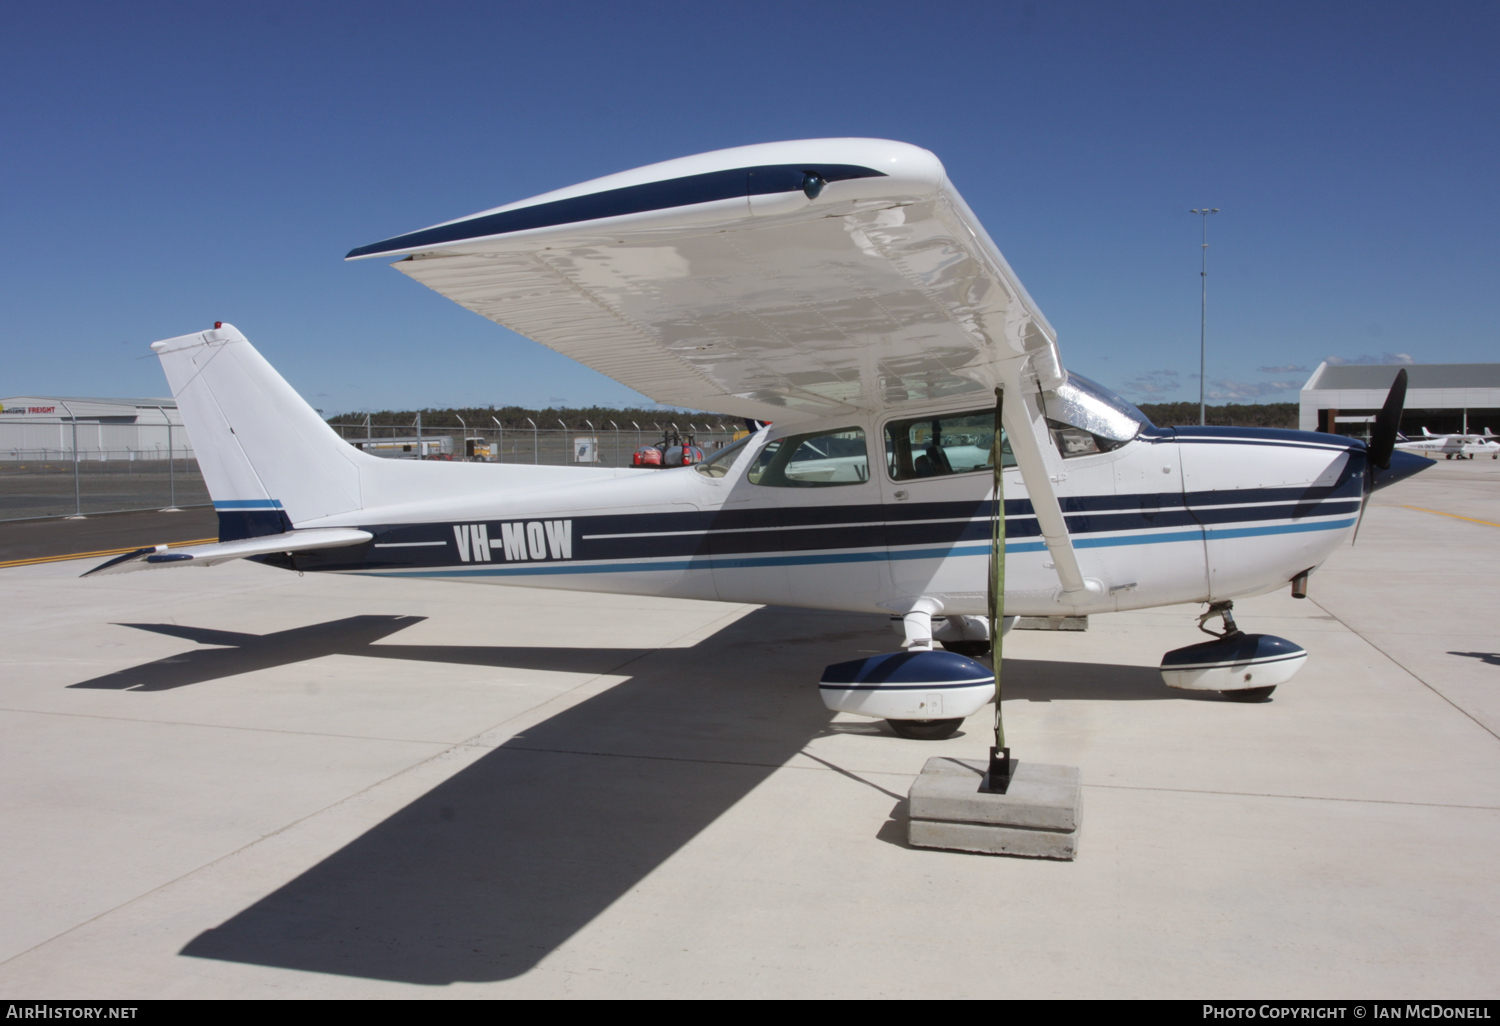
(125, 558)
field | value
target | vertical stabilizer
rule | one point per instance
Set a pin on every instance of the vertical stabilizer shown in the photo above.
(267, 457)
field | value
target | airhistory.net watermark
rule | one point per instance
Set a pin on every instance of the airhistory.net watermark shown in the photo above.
(41, 1010)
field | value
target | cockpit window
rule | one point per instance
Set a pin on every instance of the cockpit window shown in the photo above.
(1086, 418)
(950, 443)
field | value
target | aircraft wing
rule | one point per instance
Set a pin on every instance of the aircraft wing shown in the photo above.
(222, 552)
(783, 281)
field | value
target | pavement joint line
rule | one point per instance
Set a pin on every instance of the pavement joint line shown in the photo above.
(1440, 513)
(1404, 669)
(462, 746)
(507, 747)
(226, 726)
(1296, 797)
(101, 552)
(829, 767)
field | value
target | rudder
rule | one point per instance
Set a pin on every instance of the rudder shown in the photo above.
(267, 457)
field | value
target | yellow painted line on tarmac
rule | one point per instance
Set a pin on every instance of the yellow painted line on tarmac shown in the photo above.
(100, 552)
(1455, 516)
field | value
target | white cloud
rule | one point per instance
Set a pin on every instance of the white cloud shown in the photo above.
(1383, 358)
(1224, 389)
(1288, 369)
(1151, 385)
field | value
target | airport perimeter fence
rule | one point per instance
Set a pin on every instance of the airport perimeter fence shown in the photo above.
(38, 483)
(606, 446)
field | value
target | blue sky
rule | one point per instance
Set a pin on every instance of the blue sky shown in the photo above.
(168, 165)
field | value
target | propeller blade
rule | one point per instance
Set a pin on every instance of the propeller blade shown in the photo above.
(1382, 441)
(1387, 423)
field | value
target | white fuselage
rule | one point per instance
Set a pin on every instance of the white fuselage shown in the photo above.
(1177, 515)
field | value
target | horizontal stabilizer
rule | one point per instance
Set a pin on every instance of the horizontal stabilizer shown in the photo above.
(222, 552)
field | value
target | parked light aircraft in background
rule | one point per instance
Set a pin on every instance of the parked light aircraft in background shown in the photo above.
(841, 290)
(1462, 446)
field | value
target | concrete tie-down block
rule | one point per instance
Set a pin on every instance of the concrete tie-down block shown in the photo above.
(1037, 817)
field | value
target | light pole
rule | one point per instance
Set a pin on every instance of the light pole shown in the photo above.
(77, 491)
(1203, 212)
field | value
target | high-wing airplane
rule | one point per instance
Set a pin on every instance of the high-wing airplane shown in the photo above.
(1452, 446)
(841, 290)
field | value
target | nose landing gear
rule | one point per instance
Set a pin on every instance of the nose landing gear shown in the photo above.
(1241, 667)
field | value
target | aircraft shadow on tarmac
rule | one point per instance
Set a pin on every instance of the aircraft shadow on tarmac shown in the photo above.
(1492, 658)
(353, 635)
(496, 867)
(236, 653)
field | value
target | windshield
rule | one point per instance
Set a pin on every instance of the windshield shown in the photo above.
(719, 463)
(1086, 404)
(1086, 418)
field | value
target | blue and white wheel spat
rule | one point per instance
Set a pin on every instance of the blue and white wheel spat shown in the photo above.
(1237, 662)
(933, 685)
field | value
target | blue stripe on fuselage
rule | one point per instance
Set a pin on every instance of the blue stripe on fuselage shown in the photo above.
(696, 536)
(940, 552)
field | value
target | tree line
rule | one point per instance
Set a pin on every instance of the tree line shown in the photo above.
(1272, 415)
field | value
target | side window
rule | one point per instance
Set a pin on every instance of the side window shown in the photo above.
(954, 443)
(813, 461)
(1073, 441)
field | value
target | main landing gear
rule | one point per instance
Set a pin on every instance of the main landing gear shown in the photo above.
(924, 693)
(1241, 667)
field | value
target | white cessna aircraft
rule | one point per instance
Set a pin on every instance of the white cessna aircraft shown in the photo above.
(841, 290)
(1450, 446)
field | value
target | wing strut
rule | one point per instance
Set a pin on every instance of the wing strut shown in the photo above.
(1025, 426)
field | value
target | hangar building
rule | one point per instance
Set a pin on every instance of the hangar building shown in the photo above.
(39, 427)
(1445, 398)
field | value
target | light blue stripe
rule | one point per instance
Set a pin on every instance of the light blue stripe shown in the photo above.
(1251, 532)
(1138, 539)
(247, 504)
(979, 549)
